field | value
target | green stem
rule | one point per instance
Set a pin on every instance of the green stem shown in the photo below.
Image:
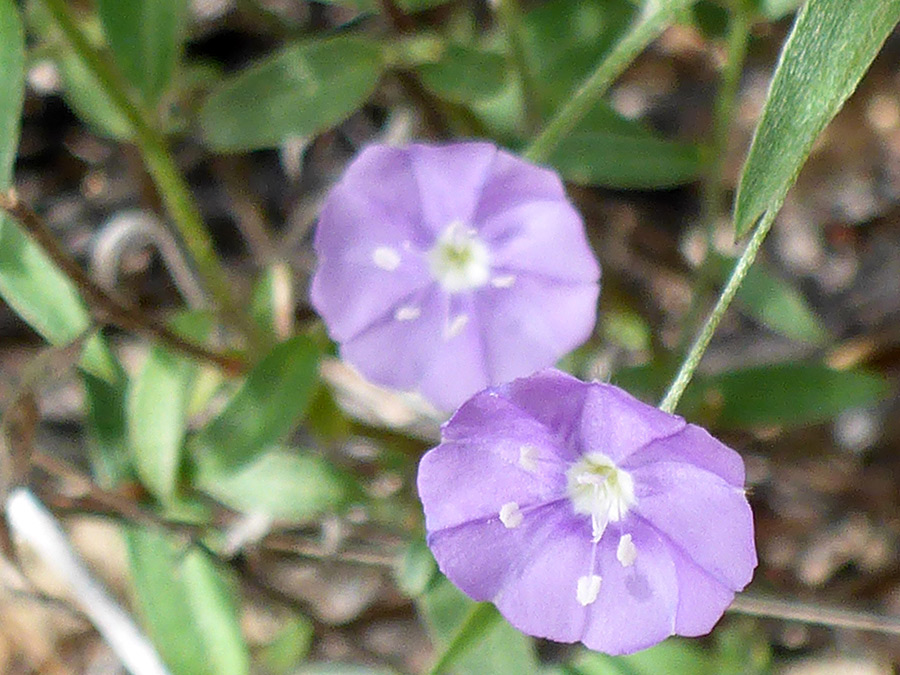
(701, 342)
(509, 15)
(173, 189)
(648, 27)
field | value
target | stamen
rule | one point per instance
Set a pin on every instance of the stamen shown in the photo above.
(528, 455)
(510, 515)
(456, 325)
(599, 489)
(503, 281)
(386, 258)
(626, 553)
(587, 590)
(407, 313)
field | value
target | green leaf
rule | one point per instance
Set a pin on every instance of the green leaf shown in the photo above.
(146, 39)
(12, 84)
(465, 74)
(265, 409)
(301, 91)
(189, 610)
(416, 569)
(283, 654)
(787, 395)
(105, 422)
(622, 161)
(777, 9)
(773, 301)
(502, 649)
(341, 669)
(282, 483)
(672, 657)
(158, 404)
(829, 49)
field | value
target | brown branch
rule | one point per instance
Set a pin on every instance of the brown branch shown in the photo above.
(103, 306)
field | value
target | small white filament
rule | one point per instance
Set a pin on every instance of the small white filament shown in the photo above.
(457, 324)
(386, 258)
(588, 588)
(407, 313)
(503, 281)
(626, 553)
(510, 515)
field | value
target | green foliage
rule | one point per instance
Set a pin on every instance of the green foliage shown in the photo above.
(496, 647)
(830, 48)
(105, 422)
(146, 38)
(264, 410)
(283, 483)
(289, 648)
(157, 412)
(12, 84)
(675, 656)
(466, 74)
(188, 607)
(773, 301)
(416, 569)
(302, 90)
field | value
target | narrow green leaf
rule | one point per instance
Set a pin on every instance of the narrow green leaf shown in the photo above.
(774, 302)
(470, 632)
(146, 38)
(301, 91)
(465, 74)
(622, 161)
(158, 405)
(829, 49)
(285, 652)
(777, 9)
(672, 657)
(105, 422)
(12, 86)
(188, 609)
(502, 649)
(416, 569)
(341, 669)
(787, 395)
(282, 483)
(265, 409)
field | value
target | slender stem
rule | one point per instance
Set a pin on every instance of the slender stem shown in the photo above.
(509, 14)
(102, 304)
(172, 186)
(723, 109)
(648, 27)
(814, 614)
(701, 342)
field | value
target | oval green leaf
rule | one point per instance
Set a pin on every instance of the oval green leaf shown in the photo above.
(828, 51)
(282, 483)
(146, 39)
(264, 410)
(301, 91)
(12, 84)
(465, 74)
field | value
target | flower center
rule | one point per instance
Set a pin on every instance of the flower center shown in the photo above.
(459, 260)
(596, 487)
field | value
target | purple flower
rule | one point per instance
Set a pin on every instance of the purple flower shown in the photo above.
(445, 269)
(586, 515)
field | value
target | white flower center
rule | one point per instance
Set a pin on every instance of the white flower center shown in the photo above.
(596, 487)
(459, 260)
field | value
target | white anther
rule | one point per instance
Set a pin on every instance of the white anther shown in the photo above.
(528, 457)
(510, 515)
(457, 323)
(627, 551)
(503, 281)
(407, 313)
(386, 258)
(587, 590)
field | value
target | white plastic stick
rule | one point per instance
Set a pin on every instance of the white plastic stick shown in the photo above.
(33, 523)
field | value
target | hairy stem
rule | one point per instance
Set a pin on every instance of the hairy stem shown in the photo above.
(173, 188)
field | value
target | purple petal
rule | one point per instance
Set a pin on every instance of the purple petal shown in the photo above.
(544, 238)
(701, 514)
(510, 180)
(692, 445)
(396, 351)
(450, 179)
(617, 424)
(636, 605)
(701, 599)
